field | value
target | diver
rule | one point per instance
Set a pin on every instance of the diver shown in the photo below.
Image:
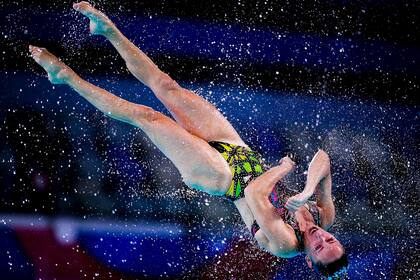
(211, 156)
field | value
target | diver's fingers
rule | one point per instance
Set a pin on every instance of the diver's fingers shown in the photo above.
(294, 202)
(290, 207)
(293, 205)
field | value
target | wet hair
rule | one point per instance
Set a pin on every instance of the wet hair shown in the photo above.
(334, 270)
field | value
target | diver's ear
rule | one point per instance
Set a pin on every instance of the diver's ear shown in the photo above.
(308, 261)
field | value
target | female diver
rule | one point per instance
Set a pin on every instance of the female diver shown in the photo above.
(211, 156)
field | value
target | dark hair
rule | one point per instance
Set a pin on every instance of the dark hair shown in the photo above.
(333, 270)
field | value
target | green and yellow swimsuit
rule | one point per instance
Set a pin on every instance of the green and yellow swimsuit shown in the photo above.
(245, 165)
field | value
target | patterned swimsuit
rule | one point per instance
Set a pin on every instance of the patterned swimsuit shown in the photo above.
(246, 165)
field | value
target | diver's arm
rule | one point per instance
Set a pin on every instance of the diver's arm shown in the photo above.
(319, 169)
(279, 240)
(325, 202)
(263, 184)
(318, 181)
(273, 235)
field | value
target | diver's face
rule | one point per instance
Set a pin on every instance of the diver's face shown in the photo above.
(321, 246)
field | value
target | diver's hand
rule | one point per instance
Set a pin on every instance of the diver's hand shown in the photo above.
(296, 201)
(288, 162)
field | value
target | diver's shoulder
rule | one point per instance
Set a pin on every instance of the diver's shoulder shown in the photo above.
(286, 251)
(287, 248)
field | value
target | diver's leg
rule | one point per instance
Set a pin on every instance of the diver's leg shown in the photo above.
(191, 111)
(201, 166)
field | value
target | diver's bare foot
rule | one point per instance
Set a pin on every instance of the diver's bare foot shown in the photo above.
(58, 72)
(99, 24)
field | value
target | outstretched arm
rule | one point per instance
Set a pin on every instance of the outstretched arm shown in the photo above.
(318, 181)
(280, 241)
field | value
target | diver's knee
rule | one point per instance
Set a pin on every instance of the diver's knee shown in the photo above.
(144, 116)
(132, 67)
(164, 83)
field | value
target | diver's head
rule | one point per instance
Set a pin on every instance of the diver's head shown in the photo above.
(325, 253)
